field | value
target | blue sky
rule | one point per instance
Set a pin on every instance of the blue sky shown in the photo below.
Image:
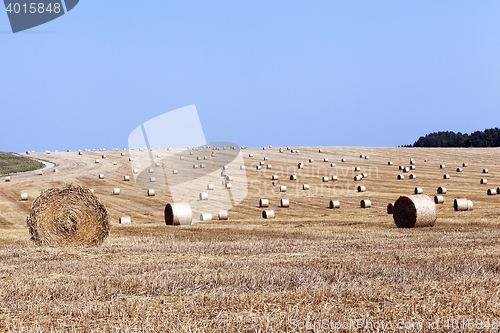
(281, 73)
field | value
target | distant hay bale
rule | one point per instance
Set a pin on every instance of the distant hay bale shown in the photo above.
(412, 162)
(258, 167)
(28, 153)
(357, 178)
(274, 177)
(68, 216)
(418, 190)
(7, 179)
(157, 164)
(125, 220)
(268, 214)
(389, 163)
(262, 163)
(223, 215)
(406, 169)
(269, 166)
(357, 168)
(390, 208)
(366, 203)
(115, 163)
(126, 178)
(101, 176)
(462, 205)
(413, 176)
(40, 173)
(459, 169)
(116, 191)
(441, 190)
(361, 156)
(438, 199)
(103, 156)
(343, 160)
(91, 190)
(485, 170)
(195, 166)
(122, 154)
(151, 170)
(230, 178)
(324, 179)
(325, 160)
(361, 188)
(24, 196)
(250, 155)
(446, 176)
(293, 177)
(80, 153)
(175, 172)
(205, 217)
(414, 211)
(135, 171)
(282, 188)
(334, 204)
(228, 186)
(484, 181)
(367, 157)
(263, 203)
(285, 203)
(413, 167)
(332, 165)
(442, 166)
(305, 187)
(198, 158)
(225, 167)
(464, 165)
(151, 193)
(401, 167)
(130, 159)
(311, 160)
(210, 187)
(492, 191)
(266, 158)
(242, 167)
(320, 150)
(364, 175)
(178, 214)
(401, 177)
(333, 178)
(181, 157)
(203, 196)
(55, 170)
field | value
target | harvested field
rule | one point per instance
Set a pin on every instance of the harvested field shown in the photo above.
(248, 273)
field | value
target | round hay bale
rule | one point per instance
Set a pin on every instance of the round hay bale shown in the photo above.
(361, 188)
(115, 163)
(124, 220)
(7, 179)
(305, 187)
(28, 152)
(357, 168)
(413, 167)
(151, 193)
(492, 191)
(223, 215)
(269, 166)
(441, 190)
(300, 166)
(242, 167)
(266, 158)
(462, 205)
(320, 150)
(68, 216)
(263, 203)
(366, 203)
(203, 196)
(195, 166)
(464, 165)
(157, 164)
(484, 181)
(230, 178)
(412, 162)
(498, 190)
(293, 177)
(485, 170)
(357, 178)
(361, 156)
(258, 167)
(334, 204)
(442, 166)
(122, 154)
(419, 190)
(210, 187)
(438, 199)
(401, 177)
(198, 158)
(334, 178)
(446, 176)
(135, 171)
(40, 173)
(390, 208)
(282, 188)
(406, 169)
(325, 160)
(91, 190)
(367, 157)
(55, 170)
(343, 160)
(225, 167)
(324, 179)
(130, 159)
(104, 157)
(389, 163)
(205, 217)
(116, 191)
(401, 167)
(414, 211)
(250, 155)
(285, 203)
(151, 170)
(364, 175)
(332, 165)
(228, 186)
(178, 214)
(175, 172)
(80, 153)
(101, 176)
(24, 196)
(262, 163)
(126, 178)
(459, 169)
(412, 176)
(268, 214)
(311, 160)
(274, 177)
(181, 157)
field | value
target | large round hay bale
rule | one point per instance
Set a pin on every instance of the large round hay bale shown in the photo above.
(325, 160)
(462, 205)
(441, 190)
(68, 216)
(178, 214)
(361, 188)
(414, 211)
(274, 177)
(366, 203)
(334, 204)
(492, 191)
(459, 169)
(442, 166)
(263, 203)
(438, 199)
(268, 214)
(285, 203)
(357, 168)
(151, 193)
(203, 196)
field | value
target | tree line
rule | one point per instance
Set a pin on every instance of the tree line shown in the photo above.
(487, 138)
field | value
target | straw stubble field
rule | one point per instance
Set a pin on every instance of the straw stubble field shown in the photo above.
(311, 265)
